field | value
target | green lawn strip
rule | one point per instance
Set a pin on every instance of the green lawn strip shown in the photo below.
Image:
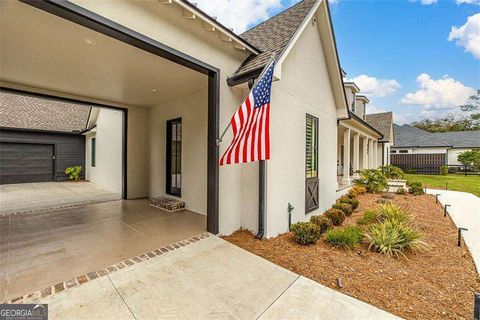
(456, 182)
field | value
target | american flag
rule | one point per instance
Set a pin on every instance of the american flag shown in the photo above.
(251, 125)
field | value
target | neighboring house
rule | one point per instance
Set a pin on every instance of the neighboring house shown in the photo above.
(357, 141)
(39, 138)
(180, 75)
(425, 152)
(383, 122)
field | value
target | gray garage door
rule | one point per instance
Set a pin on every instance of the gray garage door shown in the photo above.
(25, 162)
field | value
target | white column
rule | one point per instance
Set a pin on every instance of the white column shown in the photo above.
(346, 156)
(370, 153)
(375, 154)
(365, 154)
(356, 152)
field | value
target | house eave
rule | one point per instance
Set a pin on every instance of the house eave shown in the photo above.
(197, 12)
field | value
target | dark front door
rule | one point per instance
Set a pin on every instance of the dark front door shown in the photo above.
(25, 162)
(174, 157)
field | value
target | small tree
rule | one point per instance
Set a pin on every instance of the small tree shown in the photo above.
(469, 159)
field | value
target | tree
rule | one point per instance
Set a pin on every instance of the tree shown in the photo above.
(470, 159)
(469, 121)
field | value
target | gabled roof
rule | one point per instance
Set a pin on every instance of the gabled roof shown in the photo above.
(461, 139)
(354, 117)
(382, 122)
(408, 136)
(28, 112)
(273, 35)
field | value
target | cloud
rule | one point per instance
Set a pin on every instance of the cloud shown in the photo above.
(375, 87)
(426, 2)
(477, 2)
(468, 35)
(333, 1)
(441, 94)
(373, 109)
(239, 14)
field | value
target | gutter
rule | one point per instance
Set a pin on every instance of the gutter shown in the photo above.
(355, 117)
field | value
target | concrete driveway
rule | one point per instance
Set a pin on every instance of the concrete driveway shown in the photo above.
(465, 212)
(26, 197)
(207, 279)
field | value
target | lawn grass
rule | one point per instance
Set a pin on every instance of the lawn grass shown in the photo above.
(455, 182)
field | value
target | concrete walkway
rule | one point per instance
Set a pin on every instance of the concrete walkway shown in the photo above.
(465, 212)
(25, 197)
(209, 279)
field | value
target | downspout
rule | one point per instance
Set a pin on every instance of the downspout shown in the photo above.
(261, 187)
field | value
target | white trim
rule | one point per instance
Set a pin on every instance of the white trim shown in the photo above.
(226, 33)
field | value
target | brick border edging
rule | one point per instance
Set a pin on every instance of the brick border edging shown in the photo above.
(79, 280)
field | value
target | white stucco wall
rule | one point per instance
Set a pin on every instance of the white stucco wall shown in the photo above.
(429, 150)
(107, 172)
(165, 24)
(304, 88)
(452, 155)
(193, 109)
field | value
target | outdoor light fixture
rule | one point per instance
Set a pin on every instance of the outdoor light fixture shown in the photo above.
(459, 240)
(89, 41)
(445, 210)
(154, 90)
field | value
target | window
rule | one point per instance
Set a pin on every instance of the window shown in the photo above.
(311, 164)
(312, 147)
(402, 151)
(174, 157)
(393, 151)
(94, 152)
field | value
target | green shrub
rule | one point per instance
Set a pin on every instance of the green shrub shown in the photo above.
(352, 201)
(401, 191)
(411, 171)
(348, 237)
(393, 237)
(373, 180)
(416, 188)
(322, 222)
(392, 172)
(336, 216)
(305, 232)
(393, 212)
(368, 217)
(347, 208)
(73, 172)
(444, 170)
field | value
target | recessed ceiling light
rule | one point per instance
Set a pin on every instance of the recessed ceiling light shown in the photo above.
(154, 90)
(89, 41)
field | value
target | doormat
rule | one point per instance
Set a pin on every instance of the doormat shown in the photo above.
(167, 204)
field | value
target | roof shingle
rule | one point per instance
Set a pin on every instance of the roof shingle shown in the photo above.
(273, 35)
(382, 122)
(408, 136)
(28, 112)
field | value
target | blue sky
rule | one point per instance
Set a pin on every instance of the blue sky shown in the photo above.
(419, 59)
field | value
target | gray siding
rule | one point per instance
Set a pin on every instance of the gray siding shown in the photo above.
(69, 148)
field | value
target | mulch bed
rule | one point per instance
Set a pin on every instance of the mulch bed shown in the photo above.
(435, 284)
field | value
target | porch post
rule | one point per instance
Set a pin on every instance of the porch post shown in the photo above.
(346, 157)
(365, 154)
(375, 154)
(370, 153)
(356, 152)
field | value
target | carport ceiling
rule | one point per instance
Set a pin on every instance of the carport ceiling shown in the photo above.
(39, 50)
